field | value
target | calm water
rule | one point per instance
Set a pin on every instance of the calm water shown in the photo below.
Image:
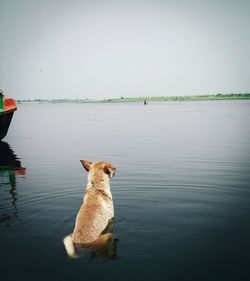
(181, 191)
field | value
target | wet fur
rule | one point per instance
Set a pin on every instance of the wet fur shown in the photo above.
(95, 212)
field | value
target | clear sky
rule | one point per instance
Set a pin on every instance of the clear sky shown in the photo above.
(105, 49)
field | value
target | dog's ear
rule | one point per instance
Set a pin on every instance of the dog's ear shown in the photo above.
(109, 169)
(86, 164)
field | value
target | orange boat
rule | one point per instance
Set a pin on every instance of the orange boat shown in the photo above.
(7, 108)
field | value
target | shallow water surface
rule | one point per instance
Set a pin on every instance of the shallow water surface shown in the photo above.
(181, 191)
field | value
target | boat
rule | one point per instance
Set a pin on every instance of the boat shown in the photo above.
(7, 109)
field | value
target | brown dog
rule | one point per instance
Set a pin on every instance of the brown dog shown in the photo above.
(96, 211)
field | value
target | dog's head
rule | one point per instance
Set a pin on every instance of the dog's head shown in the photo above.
(105, 167)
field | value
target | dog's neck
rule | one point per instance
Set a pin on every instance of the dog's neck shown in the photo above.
(100, 182)
(94, 187)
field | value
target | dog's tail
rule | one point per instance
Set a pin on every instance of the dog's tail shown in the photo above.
(97, 244)
(69, 246)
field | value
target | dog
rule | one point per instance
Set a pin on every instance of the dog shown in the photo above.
(95, 213)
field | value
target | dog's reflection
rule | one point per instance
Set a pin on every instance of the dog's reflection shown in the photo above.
(109, 251)
(10, 166)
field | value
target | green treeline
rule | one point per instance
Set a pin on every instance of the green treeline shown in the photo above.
(141, 99)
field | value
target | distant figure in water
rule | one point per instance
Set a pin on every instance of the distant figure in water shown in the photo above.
(145, 102)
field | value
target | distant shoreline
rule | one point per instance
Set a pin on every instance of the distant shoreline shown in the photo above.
(244, 96)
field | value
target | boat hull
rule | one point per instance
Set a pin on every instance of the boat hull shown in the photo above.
(5, 120)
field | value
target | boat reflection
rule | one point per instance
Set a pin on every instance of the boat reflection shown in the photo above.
(10, 168)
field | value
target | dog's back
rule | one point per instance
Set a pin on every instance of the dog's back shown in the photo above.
(93, 217)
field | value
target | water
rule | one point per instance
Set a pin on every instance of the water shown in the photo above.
(181, 191)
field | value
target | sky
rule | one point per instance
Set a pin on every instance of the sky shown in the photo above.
(109, 49)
